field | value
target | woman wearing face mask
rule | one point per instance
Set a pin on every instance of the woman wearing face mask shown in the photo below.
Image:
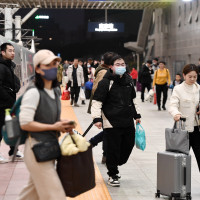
(162, 80)
(40, 117)
(113, 107)
(184, 102)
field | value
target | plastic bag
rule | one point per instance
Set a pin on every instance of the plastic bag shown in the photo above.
(149, 96)
(65, 94)
(140, 139)
(82, 94)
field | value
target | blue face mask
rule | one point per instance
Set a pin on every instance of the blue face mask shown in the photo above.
(50, 74)
(120, 70)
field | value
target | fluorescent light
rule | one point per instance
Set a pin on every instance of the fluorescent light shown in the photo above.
(186, 0)
(41, 17)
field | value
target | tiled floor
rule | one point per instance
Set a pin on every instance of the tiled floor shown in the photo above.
(138, 174)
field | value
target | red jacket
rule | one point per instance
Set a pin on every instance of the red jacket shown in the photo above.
(134, 73)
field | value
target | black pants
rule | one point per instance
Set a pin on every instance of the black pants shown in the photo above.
(97, 139)
(134, 82)
(195, 144)
(145, 85)
(2, 122)
(75, 93)
(159, 90)
(119, 145)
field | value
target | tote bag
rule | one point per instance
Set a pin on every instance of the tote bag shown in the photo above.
(177, 138)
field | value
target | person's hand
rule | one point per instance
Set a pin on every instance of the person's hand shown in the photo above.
(63, 126)
(153, 87)
(98, 125)
(177, 117)
(137, 121)
(198, 113)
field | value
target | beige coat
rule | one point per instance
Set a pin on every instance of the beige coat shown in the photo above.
(79, 73)
(184, 101)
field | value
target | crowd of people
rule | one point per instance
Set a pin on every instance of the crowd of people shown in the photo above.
(112, 106)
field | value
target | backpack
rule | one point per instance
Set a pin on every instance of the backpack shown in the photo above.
(19, 136)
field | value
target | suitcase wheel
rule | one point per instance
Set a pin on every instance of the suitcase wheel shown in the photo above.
(157, 195)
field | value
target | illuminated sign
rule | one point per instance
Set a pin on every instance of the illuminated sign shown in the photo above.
(41, 17)
(105, 27)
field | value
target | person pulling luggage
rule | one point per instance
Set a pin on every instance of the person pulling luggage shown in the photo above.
(184, 103)
(113, 109)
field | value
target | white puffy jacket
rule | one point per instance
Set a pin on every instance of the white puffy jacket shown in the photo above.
(184, 101)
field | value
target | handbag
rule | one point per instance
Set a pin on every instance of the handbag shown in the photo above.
(76, 172)
(177, 139)
(46, 151)
(140, 139)
(65, 94)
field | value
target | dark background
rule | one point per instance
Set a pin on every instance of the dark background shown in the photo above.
(69, 31)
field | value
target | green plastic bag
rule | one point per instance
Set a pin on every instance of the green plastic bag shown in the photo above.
(140, 139)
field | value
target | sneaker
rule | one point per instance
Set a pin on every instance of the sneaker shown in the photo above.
(19, 156)
(83, 102)
(113, 181)
(72, 101)
(3, 160)
(76, 105)
(163, 107)
(159, 109)
(103, 161)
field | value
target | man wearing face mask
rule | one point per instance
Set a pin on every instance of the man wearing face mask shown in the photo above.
(114, 110)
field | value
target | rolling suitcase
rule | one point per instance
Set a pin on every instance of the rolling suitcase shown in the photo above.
(174, 175)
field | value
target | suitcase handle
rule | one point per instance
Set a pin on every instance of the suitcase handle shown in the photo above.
(185, 179)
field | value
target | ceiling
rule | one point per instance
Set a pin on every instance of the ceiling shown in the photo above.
(87, 4)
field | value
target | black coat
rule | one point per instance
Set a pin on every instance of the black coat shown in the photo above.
(145, 75)
(117, 102)
(85, 73)
(9, 84)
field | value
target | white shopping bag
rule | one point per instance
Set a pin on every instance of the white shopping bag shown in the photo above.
(82, 94)
(149, 96)
(64, 81)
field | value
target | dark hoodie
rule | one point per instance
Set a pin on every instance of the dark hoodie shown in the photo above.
(7, 83)
(118, 106)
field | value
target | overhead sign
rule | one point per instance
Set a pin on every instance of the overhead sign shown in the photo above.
(41, 17)
(105, 27)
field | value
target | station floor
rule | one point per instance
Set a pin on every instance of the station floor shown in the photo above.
(138, 180)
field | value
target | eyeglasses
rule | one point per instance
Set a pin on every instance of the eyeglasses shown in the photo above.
(120, 64)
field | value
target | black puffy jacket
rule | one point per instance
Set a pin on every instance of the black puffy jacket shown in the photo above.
(118, 106)
(145, 75)
(8, 80)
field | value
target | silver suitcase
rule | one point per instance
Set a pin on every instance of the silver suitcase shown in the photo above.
(174, 175)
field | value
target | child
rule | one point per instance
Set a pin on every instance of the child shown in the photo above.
(177, 80)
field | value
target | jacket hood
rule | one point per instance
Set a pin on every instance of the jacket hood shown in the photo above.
(101, 67)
